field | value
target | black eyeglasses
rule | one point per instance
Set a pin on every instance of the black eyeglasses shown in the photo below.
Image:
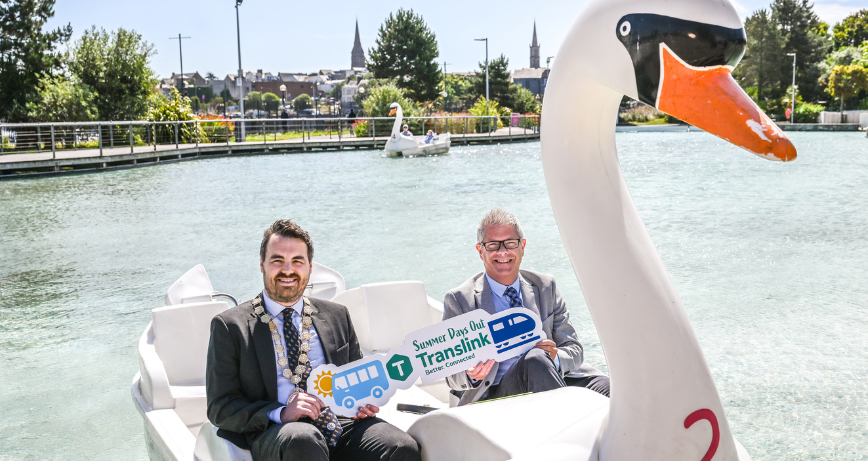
(494, 245)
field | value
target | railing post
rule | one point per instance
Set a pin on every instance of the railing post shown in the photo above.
(53, 144)
(132, 150)
(111, 135)
(265, 132)
(38, 139)
(176, 135)
(302, 131)
(465, 127)
(374, 131)
(74, 139)
(196, 127)
(99, 136)
(226, 121)
(339, 130)
(154, 131)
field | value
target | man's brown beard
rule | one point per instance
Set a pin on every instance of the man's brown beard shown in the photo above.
(285, 295)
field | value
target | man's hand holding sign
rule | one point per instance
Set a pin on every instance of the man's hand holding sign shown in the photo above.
(473, 341)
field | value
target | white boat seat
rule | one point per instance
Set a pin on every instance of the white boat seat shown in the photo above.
(211, 447)
(383, 313)
(181, 336)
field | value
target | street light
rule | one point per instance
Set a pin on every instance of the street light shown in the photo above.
(487, 102)
(283, 95)
(793, 113)
(240, 78)
(548, 60)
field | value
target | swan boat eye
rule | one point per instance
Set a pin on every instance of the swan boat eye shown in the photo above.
(625, 28)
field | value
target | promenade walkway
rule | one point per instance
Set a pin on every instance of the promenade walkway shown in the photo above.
(88, 160)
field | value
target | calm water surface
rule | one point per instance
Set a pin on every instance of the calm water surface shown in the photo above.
(770, 259)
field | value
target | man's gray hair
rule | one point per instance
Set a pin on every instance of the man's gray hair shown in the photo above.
(498, 217)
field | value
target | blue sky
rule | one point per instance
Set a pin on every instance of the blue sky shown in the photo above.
(283, 36)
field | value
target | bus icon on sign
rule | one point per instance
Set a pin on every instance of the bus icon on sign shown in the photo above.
(360, 382)
(512, 331)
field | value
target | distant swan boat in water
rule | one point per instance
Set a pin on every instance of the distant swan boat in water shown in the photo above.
(408, 146)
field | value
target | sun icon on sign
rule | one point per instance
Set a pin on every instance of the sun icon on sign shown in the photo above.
(323, 384)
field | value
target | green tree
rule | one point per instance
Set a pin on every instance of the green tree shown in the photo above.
(302, 102)
(847, 81)
(406, 50)
(26, 53)
(459, 93)
(799, 24)
(210, 75)
(62, 100)
(521, 100)
(117, 66)
(381, 97)
(271, 102)
(498, 80)
(253, 101)
(762, 64)
(843, 56)
(852, 31)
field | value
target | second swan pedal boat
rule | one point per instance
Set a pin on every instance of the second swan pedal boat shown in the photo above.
(409, 146)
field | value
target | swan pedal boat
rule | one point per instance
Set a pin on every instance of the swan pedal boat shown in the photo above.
(674, 55)
(169, 389)
(399, 145)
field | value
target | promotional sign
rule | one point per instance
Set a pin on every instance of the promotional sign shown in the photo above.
(429, 354)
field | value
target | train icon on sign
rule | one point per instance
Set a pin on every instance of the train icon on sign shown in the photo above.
(512, 331)
(357, 383)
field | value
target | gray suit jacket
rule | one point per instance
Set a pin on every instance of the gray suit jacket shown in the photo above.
(241, 373)
(539, 294)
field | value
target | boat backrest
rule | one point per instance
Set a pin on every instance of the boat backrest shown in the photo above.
(194, 286)
(181, 336)
(325, 282)
(383, 313)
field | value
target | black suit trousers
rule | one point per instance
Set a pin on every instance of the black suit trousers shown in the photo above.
(369, 439)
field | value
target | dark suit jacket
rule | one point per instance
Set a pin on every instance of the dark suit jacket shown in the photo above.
(241, 374)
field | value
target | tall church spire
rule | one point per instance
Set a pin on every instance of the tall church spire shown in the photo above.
(358, 55)
(534, 50)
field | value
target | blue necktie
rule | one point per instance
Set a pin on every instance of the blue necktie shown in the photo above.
(327, 423)
(514, 299)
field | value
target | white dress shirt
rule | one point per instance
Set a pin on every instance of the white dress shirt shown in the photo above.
(501, 303)
(317, 358)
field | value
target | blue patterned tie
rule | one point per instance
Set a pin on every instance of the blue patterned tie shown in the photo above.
(514, 299)
(326, 422)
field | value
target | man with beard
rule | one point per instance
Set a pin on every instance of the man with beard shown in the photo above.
(261, 354)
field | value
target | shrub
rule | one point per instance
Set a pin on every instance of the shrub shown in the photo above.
(175, 108)
(481, 109)
(808, 113)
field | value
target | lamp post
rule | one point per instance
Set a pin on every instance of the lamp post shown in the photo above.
(793, 113)
(240, 78)
(283, 95)
(181, 52)
(487, 102)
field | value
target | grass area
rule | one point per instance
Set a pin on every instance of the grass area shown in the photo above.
(291, 135)
(656, 121)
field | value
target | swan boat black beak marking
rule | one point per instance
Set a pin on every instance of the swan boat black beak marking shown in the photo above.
(684, 68)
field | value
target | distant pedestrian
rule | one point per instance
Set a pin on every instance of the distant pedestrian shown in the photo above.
(352, 116)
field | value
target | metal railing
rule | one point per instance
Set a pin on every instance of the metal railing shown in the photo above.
(138, 136)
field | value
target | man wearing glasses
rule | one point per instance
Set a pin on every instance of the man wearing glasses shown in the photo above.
(555, 361)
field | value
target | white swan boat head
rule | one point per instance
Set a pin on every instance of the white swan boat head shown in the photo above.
(676, 55)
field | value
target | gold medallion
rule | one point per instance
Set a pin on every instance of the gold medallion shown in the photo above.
(279, 348)
(287, 374)
(305, 346)
(295, 379)
(307, 321)
(302, 358)
(282, 361)
(305, 336)
(300, 369)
